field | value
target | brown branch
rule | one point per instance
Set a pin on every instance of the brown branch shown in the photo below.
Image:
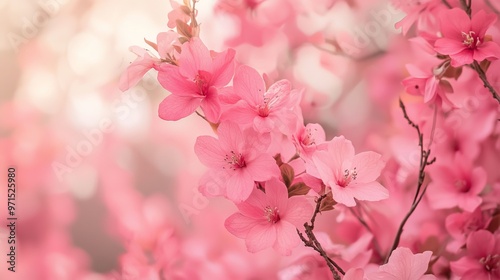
(312, 241)
(445, 2)
(466, 5)
(419, 194)
(482, 75)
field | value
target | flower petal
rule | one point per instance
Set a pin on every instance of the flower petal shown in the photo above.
(211, 105)
(239, 186)
(481, 21)
(175, 107)
(239, 225)
(368, 166)
(287, 238)
(223, 68)
(249, 85)
(260, 237)
(194, 57)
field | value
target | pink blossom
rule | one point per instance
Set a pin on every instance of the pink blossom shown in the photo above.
(270, 219)
(460, 225)
(195, 81)
(457, 184)
(178, 12)
(308, 138)
(482, 259)
(348, 175)
(264, 110)
(404, 265)
(423, 13)
(428, 85)
(165, 42)
(236, 160)
(464, 38)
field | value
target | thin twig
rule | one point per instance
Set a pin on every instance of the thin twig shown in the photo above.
(203, 117)
(482, 75)
(419, 194)
(312, 241)
(467, 6)
(445, 2)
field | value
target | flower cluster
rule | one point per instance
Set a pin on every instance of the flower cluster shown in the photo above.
(281, 172)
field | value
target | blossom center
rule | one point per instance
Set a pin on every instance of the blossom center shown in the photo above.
(272, 214)
(201, 80)
(349, 176)
(491, 262)
(462, 185)
(470, 39)
(234, 161)
(308, 139)
(271, 99)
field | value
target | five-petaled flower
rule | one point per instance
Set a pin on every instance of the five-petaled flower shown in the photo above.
(264, 110)
(348, 175)
(237, 160)
(195, 81)
(464, 39)
(482, 260)
(270, 219)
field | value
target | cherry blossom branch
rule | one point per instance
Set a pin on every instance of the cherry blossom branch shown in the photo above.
(419, 194)
(312, 241)
(482, 75)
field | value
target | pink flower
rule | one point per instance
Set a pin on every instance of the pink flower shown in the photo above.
(308, 138)
(482, 260)
(457, 184)
(464, 39)
(145, 61)
(426, 84)
(270, 219)
(348, 175)
(404, 265)
(195, 81)
(236, 160)
(460, 225)
(265, 110)
(178, 12)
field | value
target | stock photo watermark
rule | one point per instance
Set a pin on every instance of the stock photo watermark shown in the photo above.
(30, 25)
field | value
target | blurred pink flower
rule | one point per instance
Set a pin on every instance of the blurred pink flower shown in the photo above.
(348, 175)
(404, 265)
(482, 260)
(264, 110)
(460, 225)
(464, 38)
(195, 81)
(236, 160)
(270, 219)
(457, 184)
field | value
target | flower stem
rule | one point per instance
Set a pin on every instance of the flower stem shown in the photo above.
(312, 241)
(419, 194)
(482, 75)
